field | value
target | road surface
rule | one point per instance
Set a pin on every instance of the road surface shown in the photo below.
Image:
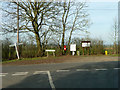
(62, 75)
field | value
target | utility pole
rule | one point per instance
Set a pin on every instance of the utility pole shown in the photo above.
(17, 22)
(17, 47)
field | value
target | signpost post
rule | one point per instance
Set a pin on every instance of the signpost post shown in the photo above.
(86, 44)
(73, 48)
(15, 45)
(65, 49)
(50, 51)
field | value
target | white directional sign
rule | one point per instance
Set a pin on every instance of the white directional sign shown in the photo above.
(73, 47)
(50, 50)
(86, 43)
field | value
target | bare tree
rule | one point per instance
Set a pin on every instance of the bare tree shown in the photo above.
(115, 35)
(47, 19)
(74, 18)
(34, 16)
(66, 8)
(80, 21)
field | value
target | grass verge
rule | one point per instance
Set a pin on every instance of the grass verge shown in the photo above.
(23, 59)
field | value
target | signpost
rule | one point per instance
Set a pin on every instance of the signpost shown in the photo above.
(86, 44)
(65, 48)
(50, 51)
(73, 48)
(15, 45)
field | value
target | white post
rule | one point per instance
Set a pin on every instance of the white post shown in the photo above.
(73, 53)
(15, 45)
(17, 51)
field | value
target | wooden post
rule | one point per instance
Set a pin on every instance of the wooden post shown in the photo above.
(88, 50)
(54, 54)
(17, 22)
(47, 54)
(83, 51)
(17, 46)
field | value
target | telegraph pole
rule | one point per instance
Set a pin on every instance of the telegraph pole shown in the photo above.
(17, 47)
(17, 22)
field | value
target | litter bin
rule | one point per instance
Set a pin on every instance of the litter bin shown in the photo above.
(78, 53)
(106, 53)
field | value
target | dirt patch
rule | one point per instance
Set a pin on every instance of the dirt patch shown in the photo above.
(63, 59)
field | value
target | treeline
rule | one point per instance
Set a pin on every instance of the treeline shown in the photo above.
(29, 50)
(51, 25)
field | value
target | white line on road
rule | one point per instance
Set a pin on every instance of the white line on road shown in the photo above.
(51, 81)
(101, 69)
(116, 68)
(40, 72)
(49, 77)
(3, 74)
(20, 73)
(82, 70)
(62, 70)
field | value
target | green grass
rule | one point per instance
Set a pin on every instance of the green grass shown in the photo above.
(9, 61)
(24, 59)
(113, 55)
(43, 58)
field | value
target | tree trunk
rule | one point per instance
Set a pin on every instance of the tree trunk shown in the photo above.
(69, 42)
(71, 33)
(63, 37)
(38, 44)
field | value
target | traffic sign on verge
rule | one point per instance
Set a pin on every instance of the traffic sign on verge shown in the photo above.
(64, 47)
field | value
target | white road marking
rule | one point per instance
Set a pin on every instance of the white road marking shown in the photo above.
(19, 73)
(62, 70)
(49, 77)
(3, 74)
(82, 70)
(40, 72)
(51, 81)
(116, 68)
(101, 69)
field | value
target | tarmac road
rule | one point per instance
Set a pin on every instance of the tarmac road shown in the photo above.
(62, 75)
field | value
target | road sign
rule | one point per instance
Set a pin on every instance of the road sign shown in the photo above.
(64, 47)
(50, 51)
(86, 43)
(73, 47)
